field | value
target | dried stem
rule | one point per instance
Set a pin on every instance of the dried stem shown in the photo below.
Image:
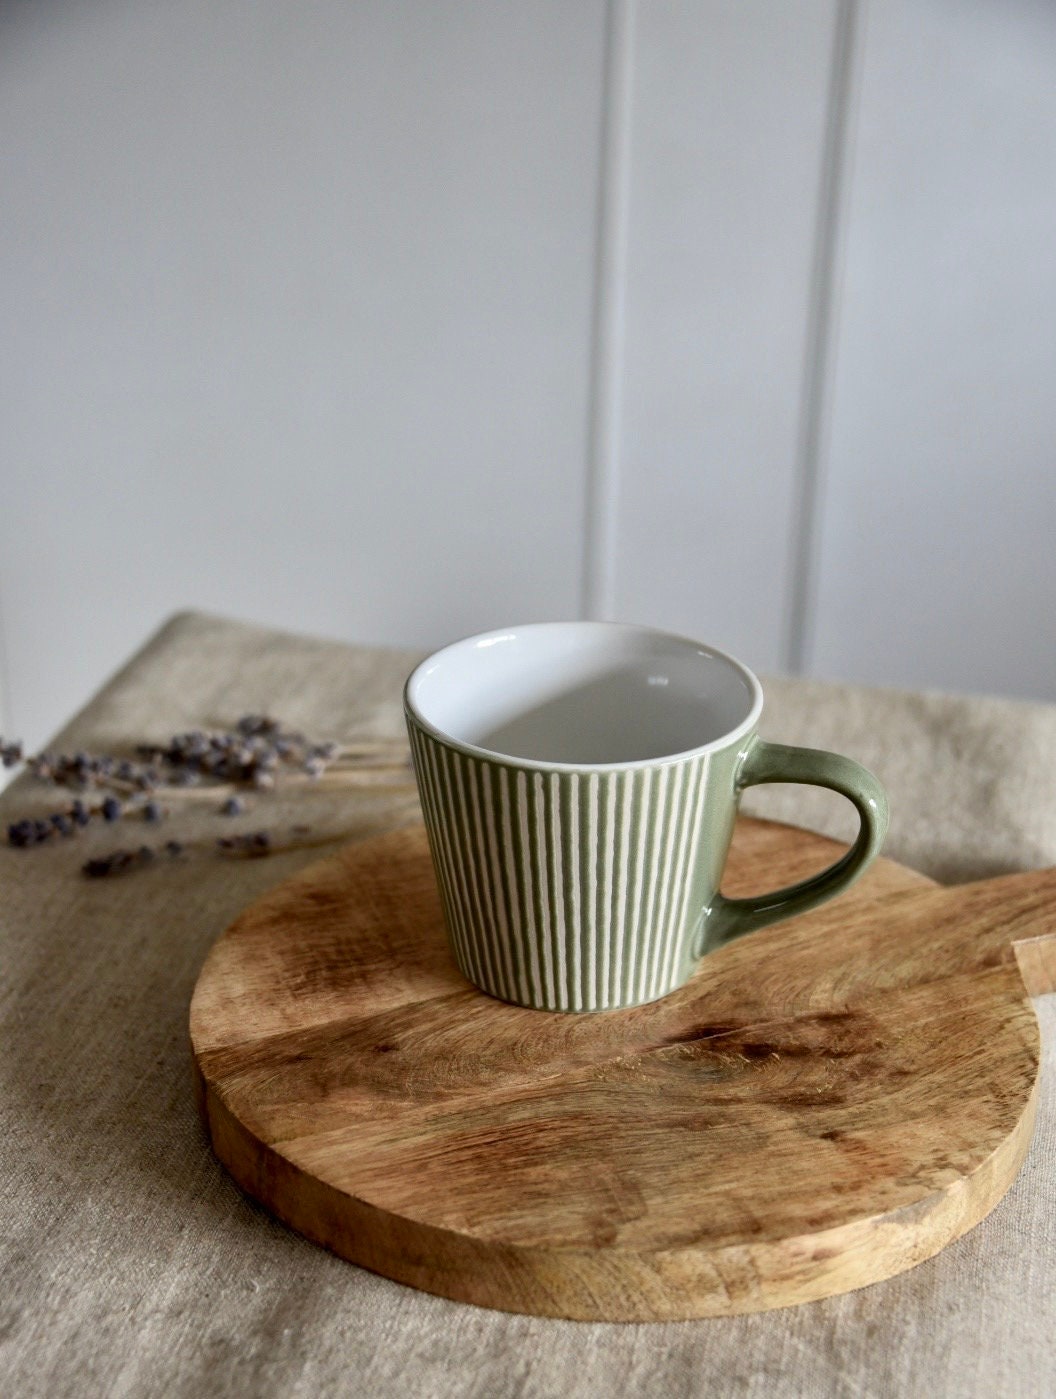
(259, 756)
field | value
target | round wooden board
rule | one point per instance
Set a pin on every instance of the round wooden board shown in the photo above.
(827, 1103)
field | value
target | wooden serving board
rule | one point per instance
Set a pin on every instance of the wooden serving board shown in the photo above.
(827, 1103)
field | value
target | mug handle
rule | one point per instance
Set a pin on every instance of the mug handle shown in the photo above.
(727, 919)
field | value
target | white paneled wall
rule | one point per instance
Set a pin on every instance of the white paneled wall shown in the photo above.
(728, 136)
(938, 539)
(302, 299)
(395, 320)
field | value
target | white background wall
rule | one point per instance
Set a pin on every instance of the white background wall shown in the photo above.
(393, 321)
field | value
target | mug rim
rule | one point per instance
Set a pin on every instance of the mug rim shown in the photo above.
(731, 736)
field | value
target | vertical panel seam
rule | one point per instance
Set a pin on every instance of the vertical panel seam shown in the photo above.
(6, 706)
(822, 313)
(608, 315)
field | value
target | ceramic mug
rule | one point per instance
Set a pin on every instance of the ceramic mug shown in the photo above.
(579, 783)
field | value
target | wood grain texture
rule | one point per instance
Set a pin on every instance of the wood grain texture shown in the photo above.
(827, 1102)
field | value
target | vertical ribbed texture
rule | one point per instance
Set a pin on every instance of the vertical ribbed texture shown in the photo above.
(564, 890)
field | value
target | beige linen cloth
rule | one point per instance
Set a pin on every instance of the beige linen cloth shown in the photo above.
(131, 1263)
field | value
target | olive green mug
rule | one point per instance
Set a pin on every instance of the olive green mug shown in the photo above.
(579, 783)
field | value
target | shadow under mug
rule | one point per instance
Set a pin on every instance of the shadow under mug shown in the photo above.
(579, 784)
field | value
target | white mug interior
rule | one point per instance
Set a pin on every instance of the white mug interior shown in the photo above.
(582, 694)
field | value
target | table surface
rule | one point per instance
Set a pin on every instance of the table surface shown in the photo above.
(132, 1264)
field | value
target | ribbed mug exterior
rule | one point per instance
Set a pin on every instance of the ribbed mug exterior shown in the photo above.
(576, 890)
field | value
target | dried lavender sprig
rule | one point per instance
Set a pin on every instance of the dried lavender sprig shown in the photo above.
(84, 770)
(250, 754)
(396, 774)
(255, 748)
(119, 862)
(28, 833)
(31, 831)
(10, 753)
(251, 845)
